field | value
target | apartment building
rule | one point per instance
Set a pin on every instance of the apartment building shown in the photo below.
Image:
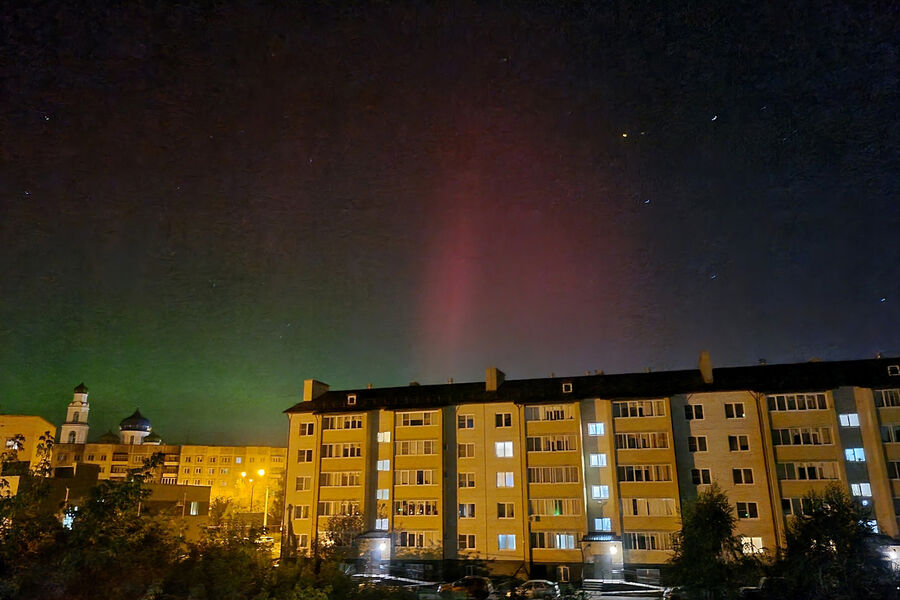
(586, 476)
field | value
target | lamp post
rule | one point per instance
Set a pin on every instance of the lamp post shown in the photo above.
(262, 473)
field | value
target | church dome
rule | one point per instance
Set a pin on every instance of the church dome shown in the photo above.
(153, 438)
(136, 422)
(81, 388)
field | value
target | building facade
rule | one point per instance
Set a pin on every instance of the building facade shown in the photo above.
(586, 476)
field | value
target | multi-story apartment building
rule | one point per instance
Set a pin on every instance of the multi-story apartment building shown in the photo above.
(248, 475)
(30, 428)
(586, 476)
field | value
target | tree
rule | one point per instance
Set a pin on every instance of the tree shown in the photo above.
(832, 551)
(708, 555)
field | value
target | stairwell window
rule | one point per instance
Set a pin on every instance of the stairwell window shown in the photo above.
(734, 410)
(596, 429)
(855, 454)
(503, 449)
(849, 420)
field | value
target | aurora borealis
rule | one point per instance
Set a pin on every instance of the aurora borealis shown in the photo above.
(201, 207)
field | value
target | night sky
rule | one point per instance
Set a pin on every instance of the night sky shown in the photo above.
(201, 207)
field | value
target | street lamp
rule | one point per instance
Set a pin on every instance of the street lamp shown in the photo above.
(262, 473)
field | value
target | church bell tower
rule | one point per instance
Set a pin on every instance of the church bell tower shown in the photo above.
(75, 429)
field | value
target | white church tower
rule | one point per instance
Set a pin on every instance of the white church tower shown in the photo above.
(75, 429)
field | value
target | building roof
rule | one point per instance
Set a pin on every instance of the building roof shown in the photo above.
(796, 377)
(136, 422)
(108, 438)
(153, 437)
(81, 388)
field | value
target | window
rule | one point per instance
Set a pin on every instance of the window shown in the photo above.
(642, 441)
(384, 437)
(752, 545)
(551, 443)
(466, 541)
(789, 402)
(734, 410)
(747, 510)
(693, 412)
(598, 460)
(302, 484)
(887, 398)
(342, 422)
(553, 474)
(801, 436)
(562, 540)
(806, 471)
(340, 479)
(849, 420)
(503, 420)
(465, 450)
(700, 476)
(301, 511)
(639, 408)
(305, 429)
(647, 540)
(467, 511)
(328, 508)
(648, 507)
(644, 473)
(697, 443)
(861, 489)
(893, 469)
(381, 524)
(596, 429)
(416, 507)
(415, 419)
(506, 542)
(742, 476)
(383, 494)
(548, 413)
(466, 480)
(503, 449)
(417, 539)
(414, 477)
(562, 573)
(465, 422)
(555, 507)
(416, 447)
(893, 370)
(194, 509)
(567, 388)
(855, 454)
(351, 399)
(303, 540)
(240, 459)
(505, 510)
(890, 433)
(738, 443)
(383, 465)
(505, 479)
(599, 492)
(603, 524)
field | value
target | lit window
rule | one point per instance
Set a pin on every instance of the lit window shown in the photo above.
(861, 489)
(603, 524)
(855, 454)
(596, 429)
(384, 437)
(383, 494)
(505, 479)
(384, 465)
(381, 524)
(599, 492)
(598, 460)
(195, 509)
(752, 545)
(849, 420)
(506, 542)
(503, 449)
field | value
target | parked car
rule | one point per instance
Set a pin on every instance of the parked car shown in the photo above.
(769, 587)
(682, 593)
(537, 588)
(472, 586)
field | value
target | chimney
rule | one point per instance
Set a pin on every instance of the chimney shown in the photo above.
(312, 389)
(705, 365)
(493, 379)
